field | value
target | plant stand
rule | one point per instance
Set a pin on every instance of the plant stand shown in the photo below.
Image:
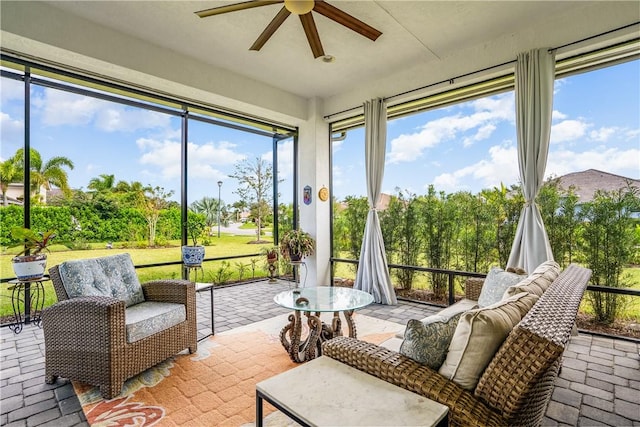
(295, 265)
(24, 296)
(272, 271)
(195, 268)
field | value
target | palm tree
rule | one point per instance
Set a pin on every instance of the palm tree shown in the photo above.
(132, 193)
(102, 183)
(9, 172)
(46, 174)
(209, 207)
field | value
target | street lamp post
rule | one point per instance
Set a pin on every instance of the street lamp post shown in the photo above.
(219, 189)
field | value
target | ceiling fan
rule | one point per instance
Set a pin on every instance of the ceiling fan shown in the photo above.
(303, 9)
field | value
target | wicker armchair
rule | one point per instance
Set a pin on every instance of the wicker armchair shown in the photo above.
(87, 338)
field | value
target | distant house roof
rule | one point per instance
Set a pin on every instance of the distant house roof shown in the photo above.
(586, 183)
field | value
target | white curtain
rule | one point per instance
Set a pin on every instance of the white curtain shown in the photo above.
(373, 273)
(535, 71)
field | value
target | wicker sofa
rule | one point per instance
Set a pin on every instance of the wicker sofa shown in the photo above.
(515, 387)
(106, 327)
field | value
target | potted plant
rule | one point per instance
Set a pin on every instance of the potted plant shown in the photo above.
(31, 263)
(193, 255)
(271, 253)
(272, 258)
(296, 244)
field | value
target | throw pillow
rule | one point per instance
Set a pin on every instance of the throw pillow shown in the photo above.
(479, 335)
(427, 342)
(495, 285)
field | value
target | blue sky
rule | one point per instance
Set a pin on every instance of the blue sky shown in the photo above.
(469, 146)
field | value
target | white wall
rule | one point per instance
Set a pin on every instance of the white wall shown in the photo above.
(314, 171)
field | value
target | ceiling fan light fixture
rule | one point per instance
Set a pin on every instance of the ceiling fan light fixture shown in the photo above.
(299, 7)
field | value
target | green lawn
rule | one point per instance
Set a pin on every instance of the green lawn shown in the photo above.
(214, 271)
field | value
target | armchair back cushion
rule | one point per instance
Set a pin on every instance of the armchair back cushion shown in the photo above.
(112, 276)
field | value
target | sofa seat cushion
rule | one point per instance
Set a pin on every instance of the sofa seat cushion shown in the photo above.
(427, 342)
(478, 336)
(111, 276)
(147, 318)
(495, 285)
(447, 313)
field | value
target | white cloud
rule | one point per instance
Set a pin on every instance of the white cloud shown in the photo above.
(11, 90)
(612, 160)
(483, 133)
(285, 160)
(117, 118)
(488, 113)
(603, 134)
(557, 115)
(568, 130)
(203, 159)
(501, 167)
(631, 134)
(65, 108)
(11, 130)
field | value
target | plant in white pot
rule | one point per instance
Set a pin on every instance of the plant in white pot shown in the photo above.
(296, 244)
(193, 255)
(31, 263)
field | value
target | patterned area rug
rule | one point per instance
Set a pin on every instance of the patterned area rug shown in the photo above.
(215, 386)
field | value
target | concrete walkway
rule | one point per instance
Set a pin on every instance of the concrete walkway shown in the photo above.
(599, 383)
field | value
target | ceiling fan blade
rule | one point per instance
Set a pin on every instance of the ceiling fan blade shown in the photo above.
(270, 29)
(234, 7)
(311, 31)
(343, 18)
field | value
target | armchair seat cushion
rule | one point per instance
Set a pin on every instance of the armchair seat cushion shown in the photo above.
(112, 276)
(147, 318)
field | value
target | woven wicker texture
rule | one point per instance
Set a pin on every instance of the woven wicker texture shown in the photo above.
(85, 337)
(464, 408)
(473, 287)
(532, 351)
(516, 386)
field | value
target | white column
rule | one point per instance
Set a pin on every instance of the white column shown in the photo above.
(313, 158)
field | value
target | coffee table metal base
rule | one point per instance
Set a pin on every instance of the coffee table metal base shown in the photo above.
(301, 350)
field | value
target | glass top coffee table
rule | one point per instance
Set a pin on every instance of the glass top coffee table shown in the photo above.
(312, 302)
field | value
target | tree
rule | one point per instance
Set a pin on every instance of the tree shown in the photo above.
(9, 172)
(255, 182)
(401, 229)
(46, 174)
(102, 183)
(439, 215)
(208, 206)
(607, 244)
(130, 194)
(155, 200)
(560, 217)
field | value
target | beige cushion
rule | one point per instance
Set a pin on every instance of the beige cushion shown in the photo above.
(537, 282)
(478, 337)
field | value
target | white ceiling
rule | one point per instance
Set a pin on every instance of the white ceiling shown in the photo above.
(422, 41)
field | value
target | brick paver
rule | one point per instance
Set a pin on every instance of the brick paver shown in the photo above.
(599, 383)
